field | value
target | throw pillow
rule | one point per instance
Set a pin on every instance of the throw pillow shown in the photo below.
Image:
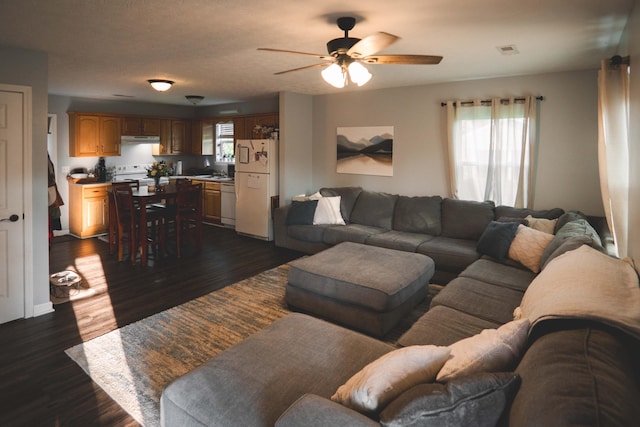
(496, 239)
(475, 400)
(328, 211)
(492, 350)
(527, 247)
(301, 213)
(384, 379)
(513, 219)
(542, 224)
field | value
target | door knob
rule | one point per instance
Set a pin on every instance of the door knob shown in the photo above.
(12, 218)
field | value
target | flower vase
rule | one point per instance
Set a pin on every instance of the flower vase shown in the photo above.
(156, 180)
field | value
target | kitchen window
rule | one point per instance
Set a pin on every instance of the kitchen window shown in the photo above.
(225, 142)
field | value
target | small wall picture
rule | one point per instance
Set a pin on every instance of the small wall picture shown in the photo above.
(365, 150)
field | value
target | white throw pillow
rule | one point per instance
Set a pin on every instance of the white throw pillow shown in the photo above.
(492, 350)
(328, 211)
(542, 224)
(528, 246)
(386, 378)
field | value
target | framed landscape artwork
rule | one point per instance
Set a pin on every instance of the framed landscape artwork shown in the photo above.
(365, 150)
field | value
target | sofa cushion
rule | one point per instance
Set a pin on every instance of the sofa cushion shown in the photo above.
(328, 211)
(418, 215)
(348, 197)
(480, 299)
(375, 209)
(528, 246)
(450, 254)
(499, 274)
(510, 211)
(542, 224)
(571, 236)
(465, 219)
(398, 240)
(256, 380)
(308, 233)
(496, 239)
(577, 376)
(477, 400)
(384, 379)
(492, 350)
(313, 410)
(301, 213)
(568, 217)
(357, 233)
(443, 325)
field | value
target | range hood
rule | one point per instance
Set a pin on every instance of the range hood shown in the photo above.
(124, 139)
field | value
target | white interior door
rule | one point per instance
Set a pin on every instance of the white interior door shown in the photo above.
(12, 292)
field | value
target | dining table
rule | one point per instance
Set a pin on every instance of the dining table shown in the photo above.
(142, 198)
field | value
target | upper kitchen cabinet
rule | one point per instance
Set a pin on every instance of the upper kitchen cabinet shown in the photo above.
(93, 135)
(175, 137)
(141, 126)
(250, 123)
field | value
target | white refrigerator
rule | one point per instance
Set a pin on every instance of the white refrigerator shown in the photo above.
(256, 179)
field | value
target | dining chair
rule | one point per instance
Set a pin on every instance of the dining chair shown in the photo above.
(188, 218)
(126, 220)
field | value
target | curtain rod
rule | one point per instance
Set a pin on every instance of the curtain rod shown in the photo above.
(539, 98)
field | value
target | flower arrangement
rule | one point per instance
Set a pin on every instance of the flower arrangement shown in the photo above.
(265, 131)
(157, 170)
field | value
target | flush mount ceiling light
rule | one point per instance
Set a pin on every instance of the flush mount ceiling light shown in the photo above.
(194, 99)
(160, 85)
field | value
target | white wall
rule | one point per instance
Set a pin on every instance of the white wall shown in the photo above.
(296, 136)
(29, 68)
(567, 173)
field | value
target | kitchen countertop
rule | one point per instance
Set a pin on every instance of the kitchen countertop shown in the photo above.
(205, 178)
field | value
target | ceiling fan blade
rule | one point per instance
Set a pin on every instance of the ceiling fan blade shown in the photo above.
(315, 55)
(402, 59)
(372, 44)
(324, 64)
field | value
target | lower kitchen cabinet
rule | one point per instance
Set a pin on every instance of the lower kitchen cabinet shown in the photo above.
(88, 209)
(211, 197)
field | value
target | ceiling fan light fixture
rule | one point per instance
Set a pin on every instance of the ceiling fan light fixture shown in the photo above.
(334, 75)
(358, 73)
(160, 85)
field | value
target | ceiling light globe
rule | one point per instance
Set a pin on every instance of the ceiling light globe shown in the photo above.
(358, 73)
(160, 85)
(334, 75)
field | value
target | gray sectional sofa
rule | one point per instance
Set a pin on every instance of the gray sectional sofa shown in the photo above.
(447, 230)
(575, 369)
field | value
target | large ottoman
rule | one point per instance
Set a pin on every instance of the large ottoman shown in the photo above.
(367, 288)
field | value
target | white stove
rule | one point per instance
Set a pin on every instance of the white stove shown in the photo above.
(137, 172)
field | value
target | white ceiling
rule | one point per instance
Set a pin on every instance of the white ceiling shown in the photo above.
(104, 48)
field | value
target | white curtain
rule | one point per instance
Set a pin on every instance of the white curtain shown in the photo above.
(491, 150)
(613, 149)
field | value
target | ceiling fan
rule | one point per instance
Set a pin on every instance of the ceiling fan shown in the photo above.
(347, 54)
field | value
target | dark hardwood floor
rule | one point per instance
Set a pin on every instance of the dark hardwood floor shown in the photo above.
(41, 386)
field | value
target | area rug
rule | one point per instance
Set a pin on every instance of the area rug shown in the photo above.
(135, 363)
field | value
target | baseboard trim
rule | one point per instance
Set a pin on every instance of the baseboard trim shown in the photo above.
(40, 309)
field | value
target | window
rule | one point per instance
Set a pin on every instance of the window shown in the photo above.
(490, 145)
(225, 142)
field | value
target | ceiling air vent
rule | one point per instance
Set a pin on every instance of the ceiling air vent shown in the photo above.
(507, 50)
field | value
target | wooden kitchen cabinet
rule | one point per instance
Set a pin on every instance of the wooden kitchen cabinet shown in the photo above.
(88, 209)
(94, 135)
(141, 126)
(250, 123)
(211, 199)
(175, 138)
